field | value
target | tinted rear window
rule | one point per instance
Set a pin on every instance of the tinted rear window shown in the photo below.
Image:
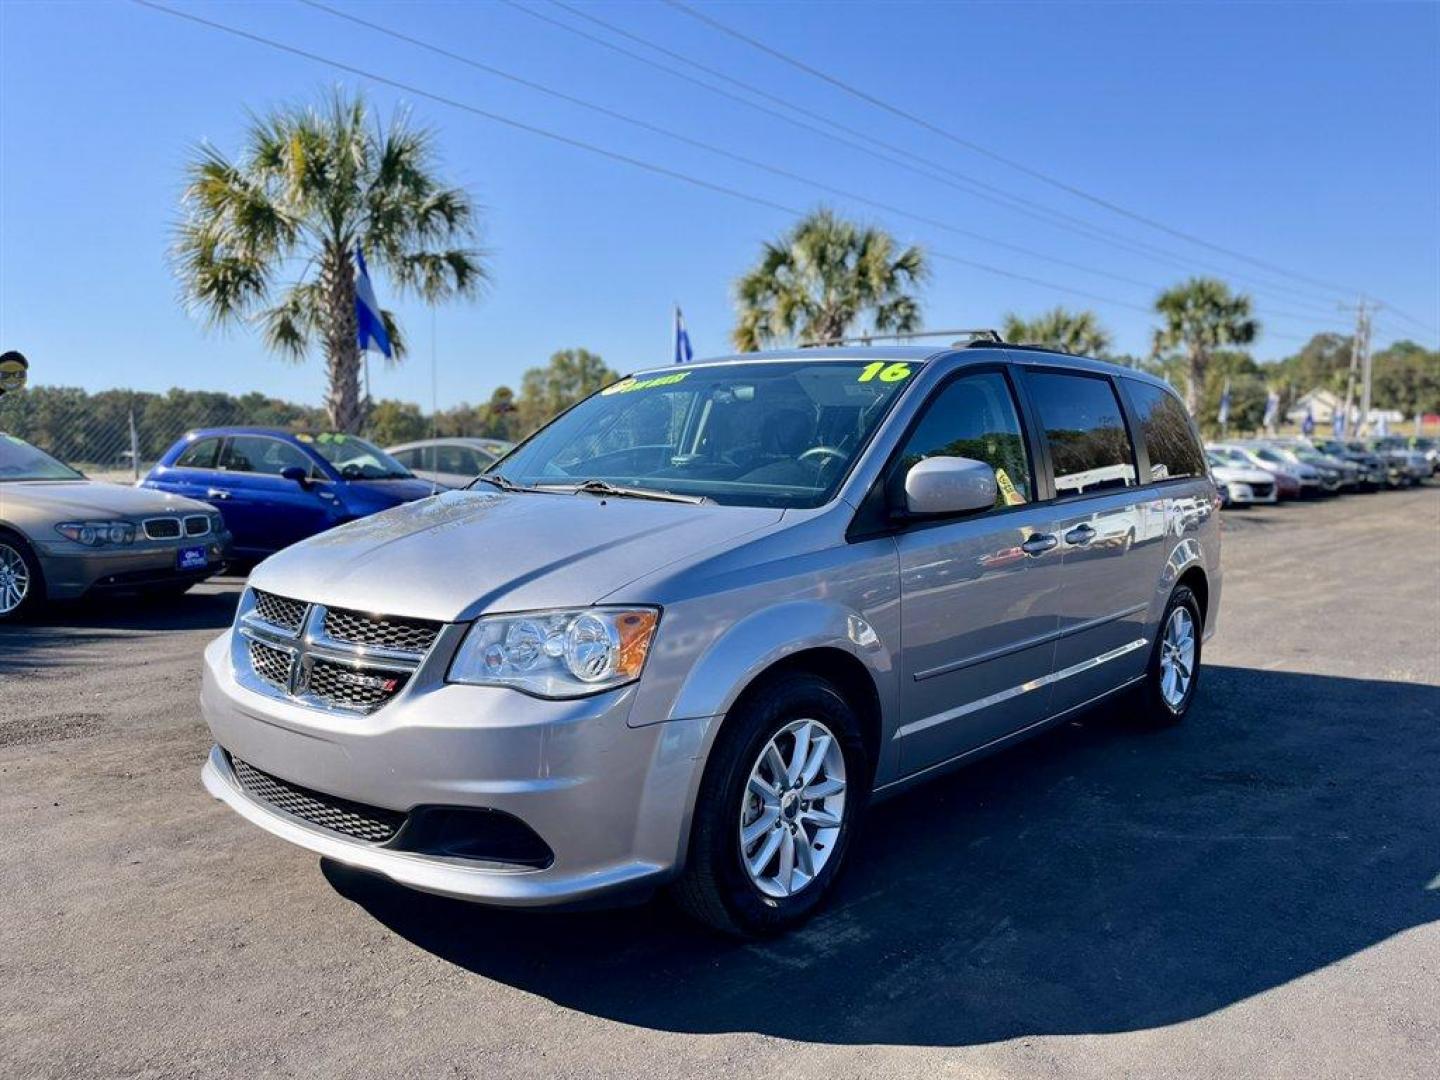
(1165, 426)
(1089, 446)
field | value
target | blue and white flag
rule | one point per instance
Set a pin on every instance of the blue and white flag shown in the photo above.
(369, 326)
(1337, 423)
(1225, 404)
(683, 353)
(1307, 426)
(1272, 409)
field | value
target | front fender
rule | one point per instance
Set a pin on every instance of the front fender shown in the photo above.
(764, 638)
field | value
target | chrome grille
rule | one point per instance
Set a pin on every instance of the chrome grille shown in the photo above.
(279, 611)
(380, 631)
(162, 528)
(270, 664)
(369, 823)
(352, 687)
(197, 525)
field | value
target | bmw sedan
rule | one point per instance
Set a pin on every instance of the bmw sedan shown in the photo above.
(63, 536)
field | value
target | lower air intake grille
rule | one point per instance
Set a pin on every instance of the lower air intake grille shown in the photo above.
(356, 820)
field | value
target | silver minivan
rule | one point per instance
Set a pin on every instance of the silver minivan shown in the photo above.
(684, 634)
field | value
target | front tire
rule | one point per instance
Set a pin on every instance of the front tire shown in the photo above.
(22, 587)
(786, 785)
(1174, 671)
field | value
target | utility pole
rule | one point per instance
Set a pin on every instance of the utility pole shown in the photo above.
(1360, 363)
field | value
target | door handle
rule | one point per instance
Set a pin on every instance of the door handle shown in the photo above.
(1039, 543)
(1080, 535)
(216, 493)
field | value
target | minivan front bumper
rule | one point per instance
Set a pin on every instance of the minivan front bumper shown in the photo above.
(610, 801)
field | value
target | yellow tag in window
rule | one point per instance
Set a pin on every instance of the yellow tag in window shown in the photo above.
(1008, 492)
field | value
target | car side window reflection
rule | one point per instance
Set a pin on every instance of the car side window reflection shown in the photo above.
(1165, 426)
(1089, 445)
(261, 454)
(975, 417)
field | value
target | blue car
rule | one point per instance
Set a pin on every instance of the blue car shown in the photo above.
(274, 488)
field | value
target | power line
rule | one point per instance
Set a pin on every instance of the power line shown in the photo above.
(722, 152)
(867, 143)
(587, 146)
(985, 151)
(645, 125)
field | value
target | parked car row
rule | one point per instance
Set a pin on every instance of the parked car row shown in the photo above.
(218, 496)
(1254, 471)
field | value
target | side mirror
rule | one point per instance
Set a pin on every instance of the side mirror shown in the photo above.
(949, 485)
(296, 474)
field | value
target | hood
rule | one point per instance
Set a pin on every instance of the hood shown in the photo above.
(96, 500)
(463, 553)
(1240, 474)
(394, 491)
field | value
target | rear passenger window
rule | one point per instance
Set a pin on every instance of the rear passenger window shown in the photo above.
(975, 417)
(199, 455)
(1089, 446)
(1170, 441)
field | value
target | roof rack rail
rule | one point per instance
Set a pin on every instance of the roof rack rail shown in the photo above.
(964, 337)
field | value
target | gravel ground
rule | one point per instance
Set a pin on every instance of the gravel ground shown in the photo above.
(1254, 893)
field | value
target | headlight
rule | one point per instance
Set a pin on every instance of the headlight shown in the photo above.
(557, 654)
(97, 533)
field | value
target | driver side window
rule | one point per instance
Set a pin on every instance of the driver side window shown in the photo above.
(975, 417)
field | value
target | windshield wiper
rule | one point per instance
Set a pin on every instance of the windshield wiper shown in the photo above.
(504, 483)
(604, 487)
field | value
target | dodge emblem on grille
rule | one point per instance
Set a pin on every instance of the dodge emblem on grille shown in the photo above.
(366, 682)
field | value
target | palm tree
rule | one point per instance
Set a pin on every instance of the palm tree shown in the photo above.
(310, 186)
(821, 277)
(1202, 315)
(1075, 332)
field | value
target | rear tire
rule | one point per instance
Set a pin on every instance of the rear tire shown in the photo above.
(22, 585)
(720, 885)
(1173, 674)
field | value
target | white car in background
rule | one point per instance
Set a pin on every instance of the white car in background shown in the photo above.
(1292, 479)
(450, 462)
(1241, 485)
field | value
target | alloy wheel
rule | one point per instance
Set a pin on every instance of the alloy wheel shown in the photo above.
(793, 808)
(1177, 657)
(14, 579)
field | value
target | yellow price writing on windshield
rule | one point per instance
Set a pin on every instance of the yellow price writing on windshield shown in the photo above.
(884, 372)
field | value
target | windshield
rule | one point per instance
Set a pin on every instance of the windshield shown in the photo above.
(354, 458)
(781, 433)
(21, 461)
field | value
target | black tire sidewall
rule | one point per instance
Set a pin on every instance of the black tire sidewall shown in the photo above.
(1158, 707)
(32, 600)
(746, 732)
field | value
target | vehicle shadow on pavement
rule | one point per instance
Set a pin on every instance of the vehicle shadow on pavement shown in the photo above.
(60, 635)
(1101, 878)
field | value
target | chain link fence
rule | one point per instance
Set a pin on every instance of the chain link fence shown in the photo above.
(118, 435)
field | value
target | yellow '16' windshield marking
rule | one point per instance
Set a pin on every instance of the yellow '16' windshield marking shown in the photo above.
(885, 372)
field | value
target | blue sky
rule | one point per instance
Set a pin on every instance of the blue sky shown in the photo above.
(1307, 135)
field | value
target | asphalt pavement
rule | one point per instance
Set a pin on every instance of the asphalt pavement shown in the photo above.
(1255, 893)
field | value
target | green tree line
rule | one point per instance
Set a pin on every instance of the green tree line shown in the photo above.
(94, 428)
